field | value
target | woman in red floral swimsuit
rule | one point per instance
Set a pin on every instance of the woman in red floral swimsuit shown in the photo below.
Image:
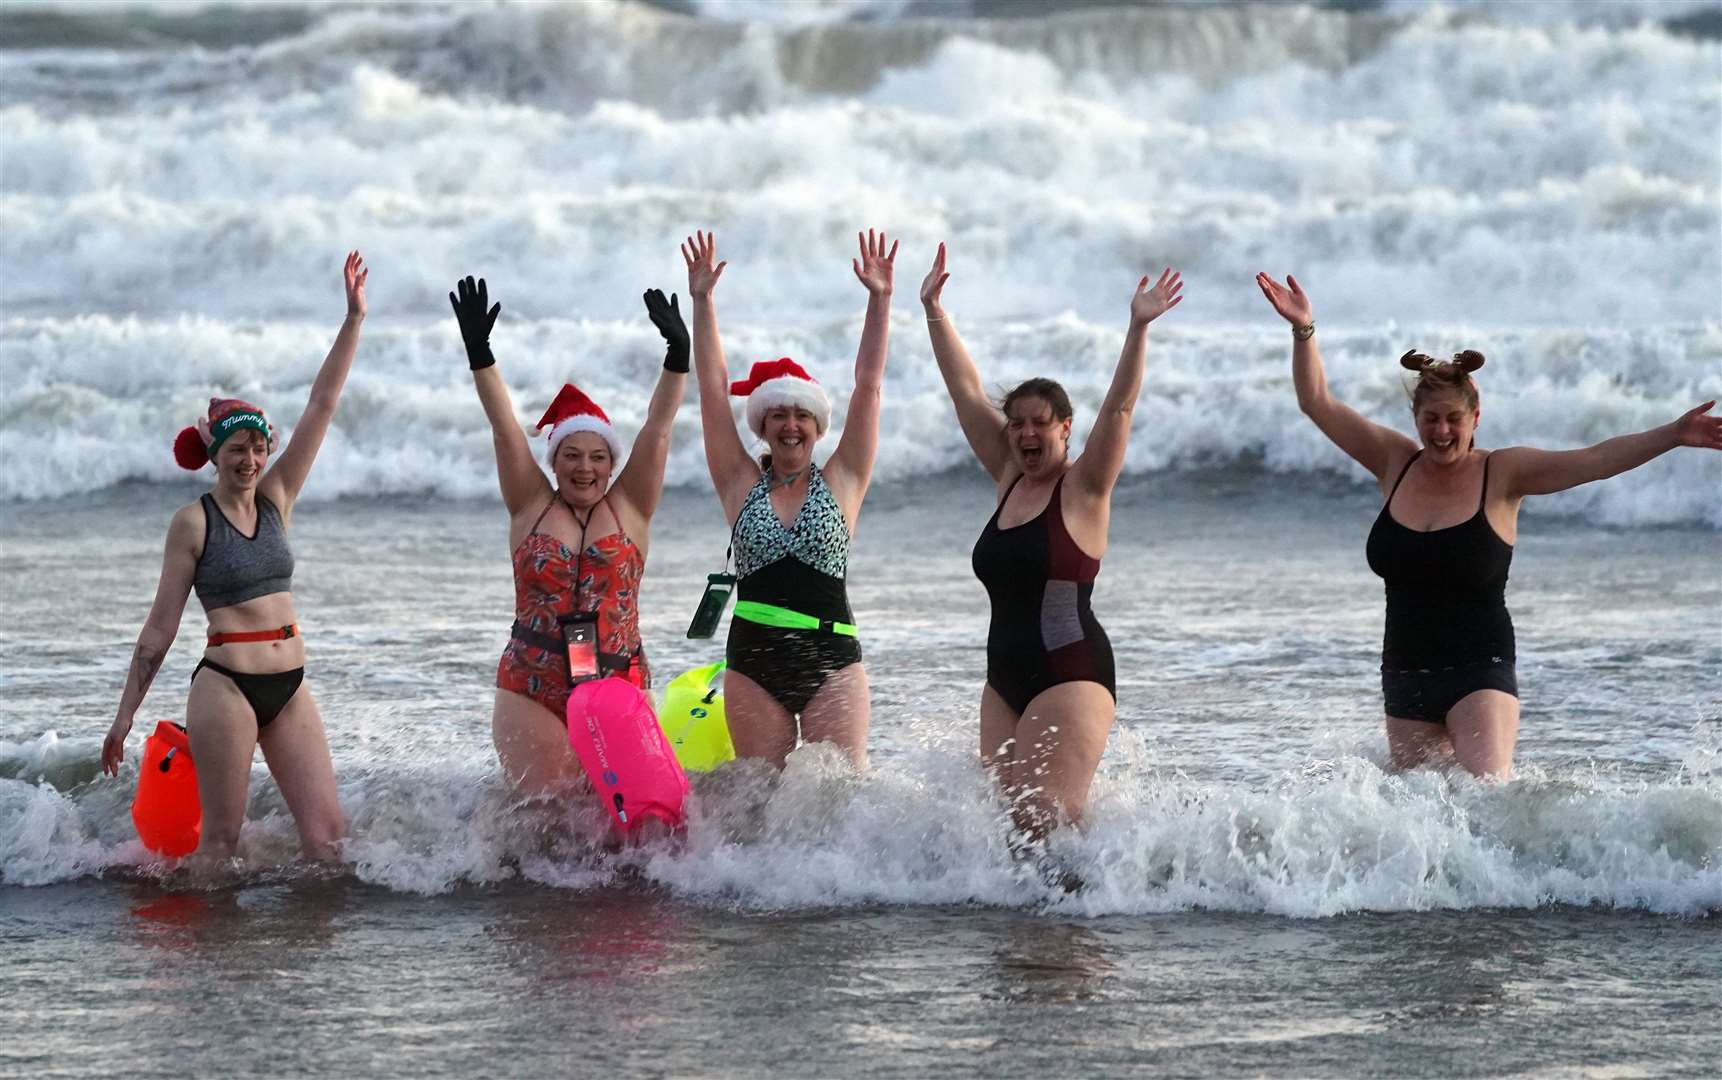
(579, 546)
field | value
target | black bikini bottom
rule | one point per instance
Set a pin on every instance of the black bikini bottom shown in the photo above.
(268, 692)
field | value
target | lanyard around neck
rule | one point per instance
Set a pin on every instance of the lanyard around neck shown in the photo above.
(579, 552)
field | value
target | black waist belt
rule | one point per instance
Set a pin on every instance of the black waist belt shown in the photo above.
(553, 643)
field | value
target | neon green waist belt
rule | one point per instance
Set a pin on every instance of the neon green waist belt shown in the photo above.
(785, 619)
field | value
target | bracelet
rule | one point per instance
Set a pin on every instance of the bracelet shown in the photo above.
(1304, 332)
(935, 318)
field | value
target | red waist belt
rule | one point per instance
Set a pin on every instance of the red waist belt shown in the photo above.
(280, 633)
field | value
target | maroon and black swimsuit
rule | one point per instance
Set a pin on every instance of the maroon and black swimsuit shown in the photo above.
(1043, 631)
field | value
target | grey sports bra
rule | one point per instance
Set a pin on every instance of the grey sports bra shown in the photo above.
(234, 567)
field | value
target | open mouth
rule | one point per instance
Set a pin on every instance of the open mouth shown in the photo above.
(1031, 455)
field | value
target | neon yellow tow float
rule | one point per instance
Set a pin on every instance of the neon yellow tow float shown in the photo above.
(693, 719)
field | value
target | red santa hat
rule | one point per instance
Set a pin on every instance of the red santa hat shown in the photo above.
(573, 411)
(771, 383)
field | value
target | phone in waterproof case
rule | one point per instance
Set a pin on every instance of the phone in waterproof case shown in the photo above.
(580, 636)
(718, 588)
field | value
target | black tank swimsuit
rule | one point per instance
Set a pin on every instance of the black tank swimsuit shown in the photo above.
(1448, 632)
(1043, 631)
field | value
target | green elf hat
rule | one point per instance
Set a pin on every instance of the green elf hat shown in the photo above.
(196, 445)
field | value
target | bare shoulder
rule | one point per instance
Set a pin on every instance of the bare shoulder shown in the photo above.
(1400, 454)
(1084, 491)
(189, 516)
(630, 519)
(271, 487)
(1512, 457)
(1508, 468)
(847, 488)
(187, 529)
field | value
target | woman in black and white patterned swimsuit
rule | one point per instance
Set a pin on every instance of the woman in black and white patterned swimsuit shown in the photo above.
(793, 651)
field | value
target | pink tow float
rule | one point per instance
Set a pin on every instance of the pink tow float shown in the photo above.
(623, 749)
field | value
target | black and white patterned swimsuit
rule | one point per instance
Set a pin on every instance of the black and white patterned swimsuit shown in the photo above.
(802, 568)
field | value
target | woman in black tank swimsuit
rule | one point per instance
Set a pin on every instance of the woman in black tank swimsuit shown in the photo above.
(231, 547)
(1050, 695)
(1443, 541)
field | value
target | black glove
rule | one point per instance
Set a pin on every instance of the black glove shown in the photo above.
(667, 317)
(475, 322)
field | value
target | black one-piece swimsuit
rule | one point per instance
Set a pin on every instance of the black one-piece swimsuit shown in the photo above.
(1448, 632)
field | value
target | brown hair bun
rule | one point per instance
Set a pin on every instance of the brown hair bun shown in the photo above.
(1439, 376)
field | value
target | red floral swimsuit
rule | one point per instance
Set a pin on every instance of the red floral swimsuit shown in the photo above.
(534, 663)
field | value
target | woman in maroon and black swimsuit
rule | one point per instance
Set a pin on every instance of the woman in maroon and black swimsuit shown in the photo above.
(1049, 699)
(1443, 541)
(579, 547)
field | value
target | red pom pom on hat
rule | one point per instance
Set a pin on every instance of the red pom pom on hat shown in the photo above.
(771, 383)
(189, 451)
(572, 411)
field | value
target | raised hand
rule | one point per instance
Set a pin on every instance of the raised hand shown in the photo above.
(354, 274)
(699, 251)
(875, 265)
(475, 322)
(666, 315)
(1150, 303)
(934, 283)
(1697, 429)
(1291, 303)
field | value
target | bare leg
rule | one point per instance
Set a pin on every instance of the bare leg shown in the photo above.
(758, 726)
(840, 712)
(297, 750)
(223, 732)
(998, 734)
(532, 744)
(1413, 743)
(1059, 741)
(1485, 728)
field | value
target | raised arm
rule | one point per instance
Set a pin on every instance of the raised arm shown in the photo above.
(850, 469)
(642, 479)
(1103, 454)
(522, 481)
(283, 481)
(1369, 444)
(1527, 471)
(733, 472)
(982, 423)
(178, 568)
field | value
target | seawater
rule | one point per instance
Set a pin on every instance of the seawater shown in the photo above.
(1538, 181)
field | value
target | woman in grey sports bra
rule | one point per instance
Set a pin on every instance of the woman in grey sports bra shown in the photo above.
(794, 657)
(231, 547)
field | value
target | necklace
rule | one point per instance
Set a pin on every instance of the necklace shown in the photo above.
(787, 481)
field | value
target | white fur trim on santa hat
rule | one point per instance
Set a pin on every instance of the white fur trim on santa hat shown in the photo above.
(584, 422)
(791, 391)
